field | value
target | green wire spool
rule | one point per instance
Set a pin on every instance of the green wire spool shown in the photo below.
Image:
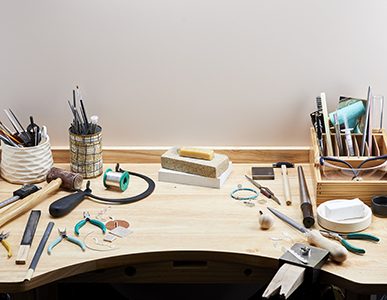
(116, 179)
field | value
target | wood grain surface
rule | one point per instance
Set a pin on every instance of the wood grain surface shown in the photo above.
(183, 223)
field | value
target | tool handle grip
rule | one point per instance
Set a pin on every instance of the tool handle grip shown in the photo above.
(78, 242)
(63, 206)
(265, 193)
(28, 202)
(99, 224)
(337, 252)
(78, 226)
(352, 248)
(285, 179)
(53, 244)
(362, 236)
(8, 247)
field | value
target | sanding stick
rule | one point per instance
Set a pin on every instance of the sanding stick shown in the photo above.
(28, 236)
(326, 124)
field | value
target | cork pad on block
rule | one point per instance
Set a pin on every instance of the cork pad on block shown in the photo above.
(209, 168)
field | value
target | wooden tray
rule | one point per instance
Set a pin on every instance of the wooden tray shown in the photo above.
(331, 189)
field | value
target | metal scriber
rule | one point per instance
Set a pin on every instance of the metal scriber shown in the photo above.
(350, 236)
(87, 218)
(63, 235)
(264, 190)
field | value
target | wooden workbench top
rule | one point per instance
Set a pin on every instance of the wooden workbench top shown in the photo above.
(181, 218)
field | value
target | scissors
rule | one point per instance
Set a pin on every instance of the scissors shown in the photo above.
(350, 236)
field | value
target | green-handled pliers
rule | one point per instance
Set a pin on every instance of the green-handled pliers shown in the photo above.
(63, 235)
(87, 218)
(350, 236)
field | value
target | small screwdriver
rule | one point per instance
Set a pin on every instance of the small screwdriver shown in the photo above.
(264, 190)
(21, 193)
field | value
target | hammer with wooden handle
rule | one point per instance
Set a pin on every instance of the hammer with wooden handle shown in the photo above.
(55, 178)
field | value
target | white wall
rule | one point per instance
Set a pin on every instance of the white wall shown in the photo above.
(189, 72)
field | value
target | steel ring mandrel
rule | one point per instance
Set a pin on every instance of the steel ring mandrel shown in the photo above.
(116, 179)
(63, 235)
(87, 218)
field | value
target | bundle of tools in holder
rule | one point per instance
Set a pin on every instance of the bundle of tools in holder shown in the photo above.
(21, 137)
(352, 116)
(80, 124)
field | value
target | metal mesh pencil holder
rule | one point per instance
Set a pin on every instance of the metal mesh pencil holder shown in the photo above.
(86, 153)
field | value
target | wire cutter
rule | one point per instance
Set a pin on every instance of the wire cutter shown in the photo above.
(350, 236)
(63, 235)
(87, 218)
(3, 236)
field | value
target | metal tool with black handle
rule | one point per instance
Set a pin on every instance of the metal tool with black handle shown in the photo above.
(63, 206)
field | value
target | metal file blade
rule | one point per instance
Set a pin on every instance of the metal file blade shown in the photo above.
(289, 220)
(28, 236)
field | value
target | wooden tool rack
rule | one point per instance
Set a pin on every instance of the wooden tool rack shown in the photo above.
(329, 189)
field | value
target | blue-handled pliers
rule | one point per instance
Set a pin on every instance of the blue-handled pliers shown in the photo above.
(350, 236)
(87, 218)
(69, 238)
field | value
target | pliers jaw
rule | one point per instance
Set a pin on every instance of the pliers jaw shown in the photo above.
(3, 237)
(86, 215)
(331, 234)
(62, 234)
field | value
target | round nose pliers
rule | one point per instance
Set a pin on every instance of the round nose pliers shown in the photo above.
(63, 235)
(87, 218)
(3, 236)
(350, 236)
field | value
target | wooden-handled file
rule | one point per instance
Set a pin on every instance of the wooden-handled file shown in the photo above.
(28, 236)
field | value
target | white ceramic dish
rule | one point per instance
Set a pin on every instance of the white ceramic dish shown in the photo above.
(345, 226)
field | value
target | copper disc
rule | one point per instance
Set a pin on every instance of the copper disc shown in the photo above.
(115, 223)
